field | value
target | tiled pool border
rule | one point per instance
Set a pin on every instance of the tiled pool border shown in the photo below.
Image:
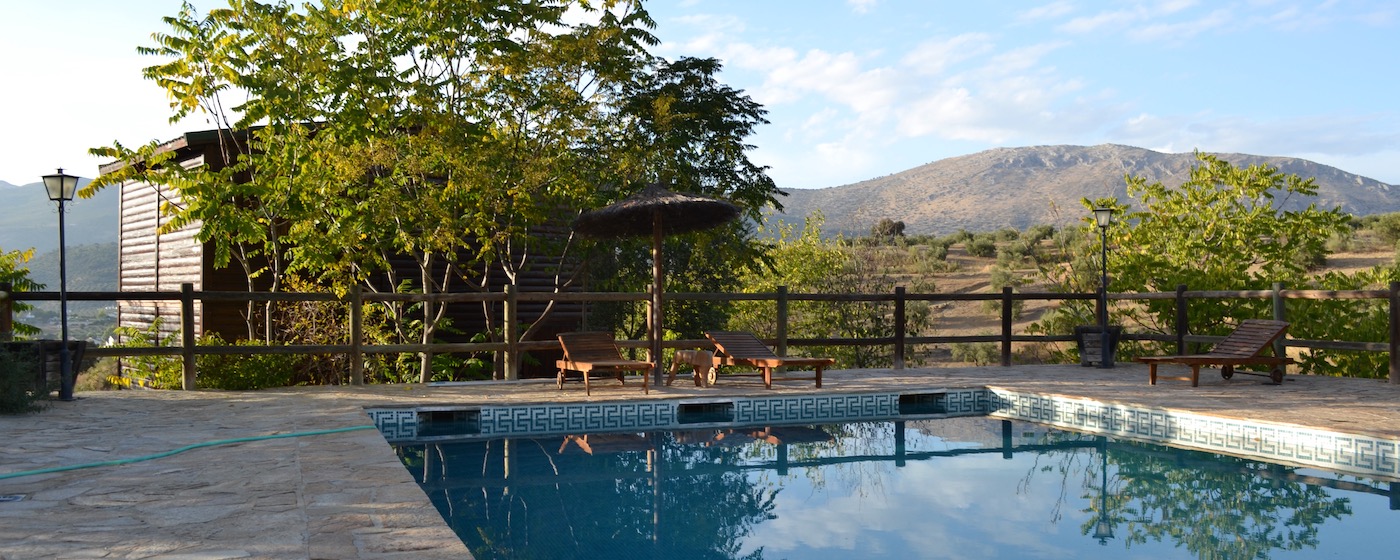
(1283, 443)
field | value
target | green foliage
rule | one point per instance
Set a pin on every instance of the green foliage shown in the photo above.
(1353, 320)
(157, 372)
(1038, 233)
(806, 264)
(1004, 277)
(886, 230)
(244, 373)
(444, 132)
(982, 245)
(977, 353)
(1220, 230)
(1386, 227)
(13, 270)
(18, 395)
(214, 371)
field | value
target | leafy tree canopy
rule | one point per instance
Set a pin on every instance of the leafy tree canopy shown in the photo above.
(449, 132)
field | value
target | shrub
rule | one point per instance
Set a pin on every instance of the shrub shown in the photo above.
(978, 353)
(235, 372)
(17, 391)
(982, 246)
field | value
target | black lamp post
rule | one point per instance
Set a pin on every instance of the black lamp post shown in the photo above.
(1104, 218)
(61, 187)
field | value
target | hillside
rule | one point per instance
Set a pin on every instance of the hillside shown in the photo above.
(31, 219)
(1021, 187)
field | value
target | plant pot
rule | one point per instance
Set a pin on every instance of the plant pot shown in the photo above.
(1090, 338)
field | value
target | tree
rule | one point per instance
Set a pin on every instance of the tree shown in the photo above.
(887, 229)
(681, 127)
(14, 272)
(1225, 228)
(448, 132)
(805, 263)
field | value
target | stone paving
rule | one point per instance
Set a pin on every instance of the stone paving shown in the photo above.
(345, 495)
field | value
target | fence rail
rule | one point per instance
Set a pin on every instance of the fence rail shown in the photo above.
(510, 350)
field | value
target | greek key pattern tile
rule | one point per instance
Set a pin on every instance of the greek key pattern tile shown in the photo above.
(395, 424)
(969, 401)
(576, 418)
(1305, 446)
(816, 408)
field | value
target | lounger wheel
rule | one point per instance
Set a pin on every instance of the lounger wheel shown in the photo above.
(1227, 371)
(559, 380)
(711, 376)
(1276, 375)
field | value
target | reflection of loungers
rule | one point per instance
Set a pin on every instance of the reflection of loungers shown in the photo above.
(594, 444)
(776, 435)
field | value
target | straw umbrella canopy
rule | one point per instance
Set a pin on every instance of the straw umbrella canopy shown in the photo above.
(657, 212)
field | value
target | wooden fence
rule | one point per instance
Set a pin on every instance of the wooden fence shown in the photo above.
(510, 351)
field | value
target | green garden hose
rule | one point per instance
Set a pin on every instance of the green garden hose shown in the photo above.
(180, 450)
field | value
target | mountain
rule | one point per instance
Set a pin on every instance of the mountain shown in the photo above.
(1022, 187)
(30, 219)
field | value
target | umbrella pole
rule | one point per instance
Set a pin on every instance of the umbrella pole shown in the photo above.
(658, 287)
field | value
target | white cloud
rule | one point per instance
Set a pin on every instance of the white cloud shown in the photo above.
(934, 57)
(1134, 21)
(1176, 32)
(862, 6)
(1052, 10)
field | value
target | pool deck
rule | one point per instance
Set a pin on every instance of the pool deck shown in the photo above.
(345, 495)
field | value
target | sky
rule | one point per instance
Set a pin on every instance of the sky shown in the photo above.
(858, 89)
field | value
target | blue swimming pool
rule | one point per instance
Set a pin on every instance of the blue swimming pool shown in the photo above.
(954, 487)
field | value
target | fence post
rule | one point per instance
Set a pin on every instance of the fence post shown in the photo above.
(7, 313)
(782, 334)
(899, 327)
(1280, 314)
(512, 355)
(1394, 333)
(187, 341)
(1183, 323)
(1006, 326)
(357, 335)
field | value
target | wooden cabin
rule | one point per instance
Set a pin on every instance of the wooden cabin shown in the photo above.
(150, 261)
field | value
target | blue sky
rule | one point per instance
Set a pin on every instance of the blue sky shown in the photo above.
(863, 88)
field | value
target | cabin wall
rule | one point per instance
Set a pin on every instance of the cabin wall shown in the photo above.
(149, 261)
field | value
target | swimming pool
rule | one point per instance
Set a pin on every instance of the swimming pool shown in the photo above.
(907, 475)
(955, 485)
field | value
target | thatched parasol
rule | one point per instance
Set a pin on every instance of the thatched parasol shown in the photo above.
(658, 212)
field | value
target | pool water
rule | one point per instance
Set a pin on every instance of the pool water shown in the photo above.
(946, 488)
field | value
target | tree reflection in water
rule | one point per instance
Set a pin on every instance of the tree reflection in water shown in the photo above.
(703, 493)
(1212, 505)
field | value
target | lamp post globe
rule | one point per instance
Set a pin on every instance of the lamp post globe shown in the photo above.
(61, 187)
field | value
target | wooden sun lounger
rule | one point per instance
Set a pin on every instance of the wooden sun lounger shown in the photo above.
(1243, 347)
(744, 349)
(588, 352)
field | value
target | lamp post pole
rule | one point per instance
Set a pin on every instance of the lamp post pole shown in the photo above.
(1103, 529)
(1104, 218)
(61, 187)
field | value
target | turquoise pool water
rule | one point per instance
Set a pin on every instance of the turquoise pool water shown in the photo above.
(971, 487)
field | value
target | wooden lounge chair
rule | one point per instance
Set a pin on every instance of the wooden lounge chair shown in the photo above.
(744, 349)
(588, 352)
(1243, 347)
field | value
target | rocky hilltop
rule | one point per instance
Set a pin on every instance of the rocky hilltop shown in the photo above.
(1021, 187)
